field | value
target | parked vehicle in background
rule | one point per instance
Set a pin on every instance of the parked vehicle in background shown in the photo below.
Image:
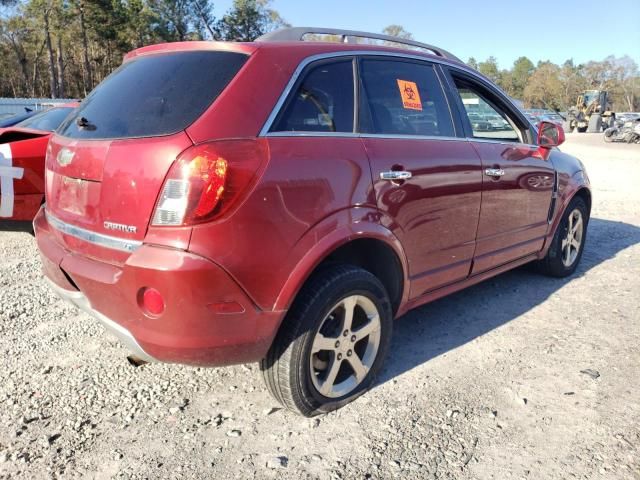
(624, 117)
(22, 156)
(10, 120)
(209, 208)
(479, 122)
(496, 122)
(553, 117)
(629, 132)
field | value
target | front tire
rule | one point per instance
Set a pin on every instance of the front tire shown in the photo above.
(332, 342)
(566, 248)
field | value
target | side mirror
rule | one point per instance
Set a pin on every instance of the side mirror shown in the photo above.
(550, 135)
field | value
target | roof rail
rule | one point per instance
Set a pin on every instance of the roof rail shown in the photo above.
(296, 34)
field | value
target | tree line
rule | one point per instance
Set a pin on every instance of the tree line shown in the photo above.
(557, 87)
(63, 48)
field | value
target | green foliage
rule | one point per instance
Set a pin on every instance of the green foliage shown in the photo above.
(247, 20)
(397, 31)
(547, 85)
(489, 68)
(65, 47)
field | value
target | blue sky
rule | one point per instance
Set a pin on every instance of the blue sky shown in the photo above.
(580, 29)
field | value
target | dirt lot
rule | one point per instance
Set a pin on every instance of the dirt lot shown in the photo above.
(520, 377)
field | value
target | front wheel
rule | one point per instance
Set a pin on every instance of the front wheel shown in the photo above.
(332, 342)
(566, 248)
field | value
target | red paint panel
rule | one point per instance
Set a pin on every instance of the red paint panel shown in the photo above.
(110, 181)
(306, 181)
(515, 206)
(435, 213)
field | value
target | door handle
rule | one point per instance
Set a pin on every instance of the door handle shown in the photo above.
(494, 172)
(395, 175)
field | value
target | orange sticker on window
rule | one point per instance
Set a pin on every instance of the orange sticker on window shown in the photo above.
(410, 95)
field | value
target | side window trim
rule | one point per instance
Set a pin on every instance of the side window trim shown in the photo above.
(297, 78)
(524, 128)
(364, 109)
(458, 125)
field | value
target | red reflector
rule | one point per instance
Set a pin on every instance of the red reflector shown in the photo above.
(226, 307)
(152, 301)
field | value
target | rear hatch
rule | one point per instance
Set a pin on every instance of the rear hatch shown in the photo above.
(107, 162)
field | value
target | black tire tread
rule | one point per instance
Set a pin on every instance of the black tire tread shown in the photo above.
(276, 367)
(551, 265)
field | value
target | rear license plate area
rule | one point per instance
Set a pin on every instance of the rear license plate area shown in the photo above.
(73, 195)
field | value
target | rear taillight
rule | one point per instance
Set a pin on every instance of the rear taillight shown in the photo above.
(206, 180)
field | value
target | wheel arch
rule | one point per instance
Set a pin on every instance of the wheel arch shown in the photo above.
(584, 193)
(372, 247)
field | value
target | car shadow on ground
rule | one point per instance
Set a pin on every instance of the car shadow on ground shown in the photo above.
(443, 325)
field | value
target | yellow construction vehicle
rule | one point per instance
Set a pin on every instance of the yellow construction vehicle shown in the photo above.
(592, 112)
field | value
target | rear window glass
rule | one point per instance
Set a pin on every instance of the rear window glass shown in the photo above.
(153, 95)
(47, 121)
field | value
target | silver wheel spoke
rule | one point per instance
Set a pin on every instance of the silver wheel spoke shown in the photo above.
(327, 385)
(358, 367)
(336, 341)
(349, 306)
(570, 246)
(366, 330)
(323, 343)
(577, 227)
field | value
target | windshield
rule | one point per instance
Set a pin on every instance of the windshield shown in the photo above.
(154, 95)
(47, 121)
(590, 97)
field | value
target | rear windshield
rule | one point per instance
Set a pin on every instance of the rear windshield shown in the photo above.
(153, 95)
(47, 121)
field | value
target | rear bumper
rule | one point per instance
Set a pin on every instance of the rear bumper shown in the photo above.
(193, 329)
(124, 335)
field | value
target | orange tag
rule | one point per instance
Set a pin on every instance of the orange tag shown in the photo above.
(410, 95)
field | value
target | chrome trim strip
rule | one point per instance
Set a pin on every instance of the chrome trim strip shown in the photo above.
(124, 335)
(93, 237)
(363, 135)
(411, 137)
(502, 142)
(311, 134)
(351, 53)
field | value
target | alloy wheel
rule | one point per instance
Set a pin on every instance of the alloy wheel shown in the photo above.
(573, 240)
(345, 346)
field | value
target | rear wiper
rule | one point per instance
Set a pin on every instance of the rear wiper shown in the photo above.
(85, 124)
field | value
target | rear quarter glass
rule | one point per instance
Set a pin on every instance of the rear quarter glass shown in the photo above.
(154, 95)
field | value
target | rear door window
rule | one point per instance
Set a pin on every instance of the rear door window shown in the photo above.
(154, 95)
(403, 98)
(323, 101)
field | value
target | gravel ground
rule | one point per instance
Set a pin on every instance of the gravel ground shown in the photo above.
(519, 377)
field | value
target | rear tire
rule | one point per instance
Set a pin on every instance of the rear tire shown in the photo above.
(313, 366)
(566, 249)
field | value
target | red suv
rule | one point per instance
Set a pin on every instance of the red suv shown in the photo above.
(283, 201)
